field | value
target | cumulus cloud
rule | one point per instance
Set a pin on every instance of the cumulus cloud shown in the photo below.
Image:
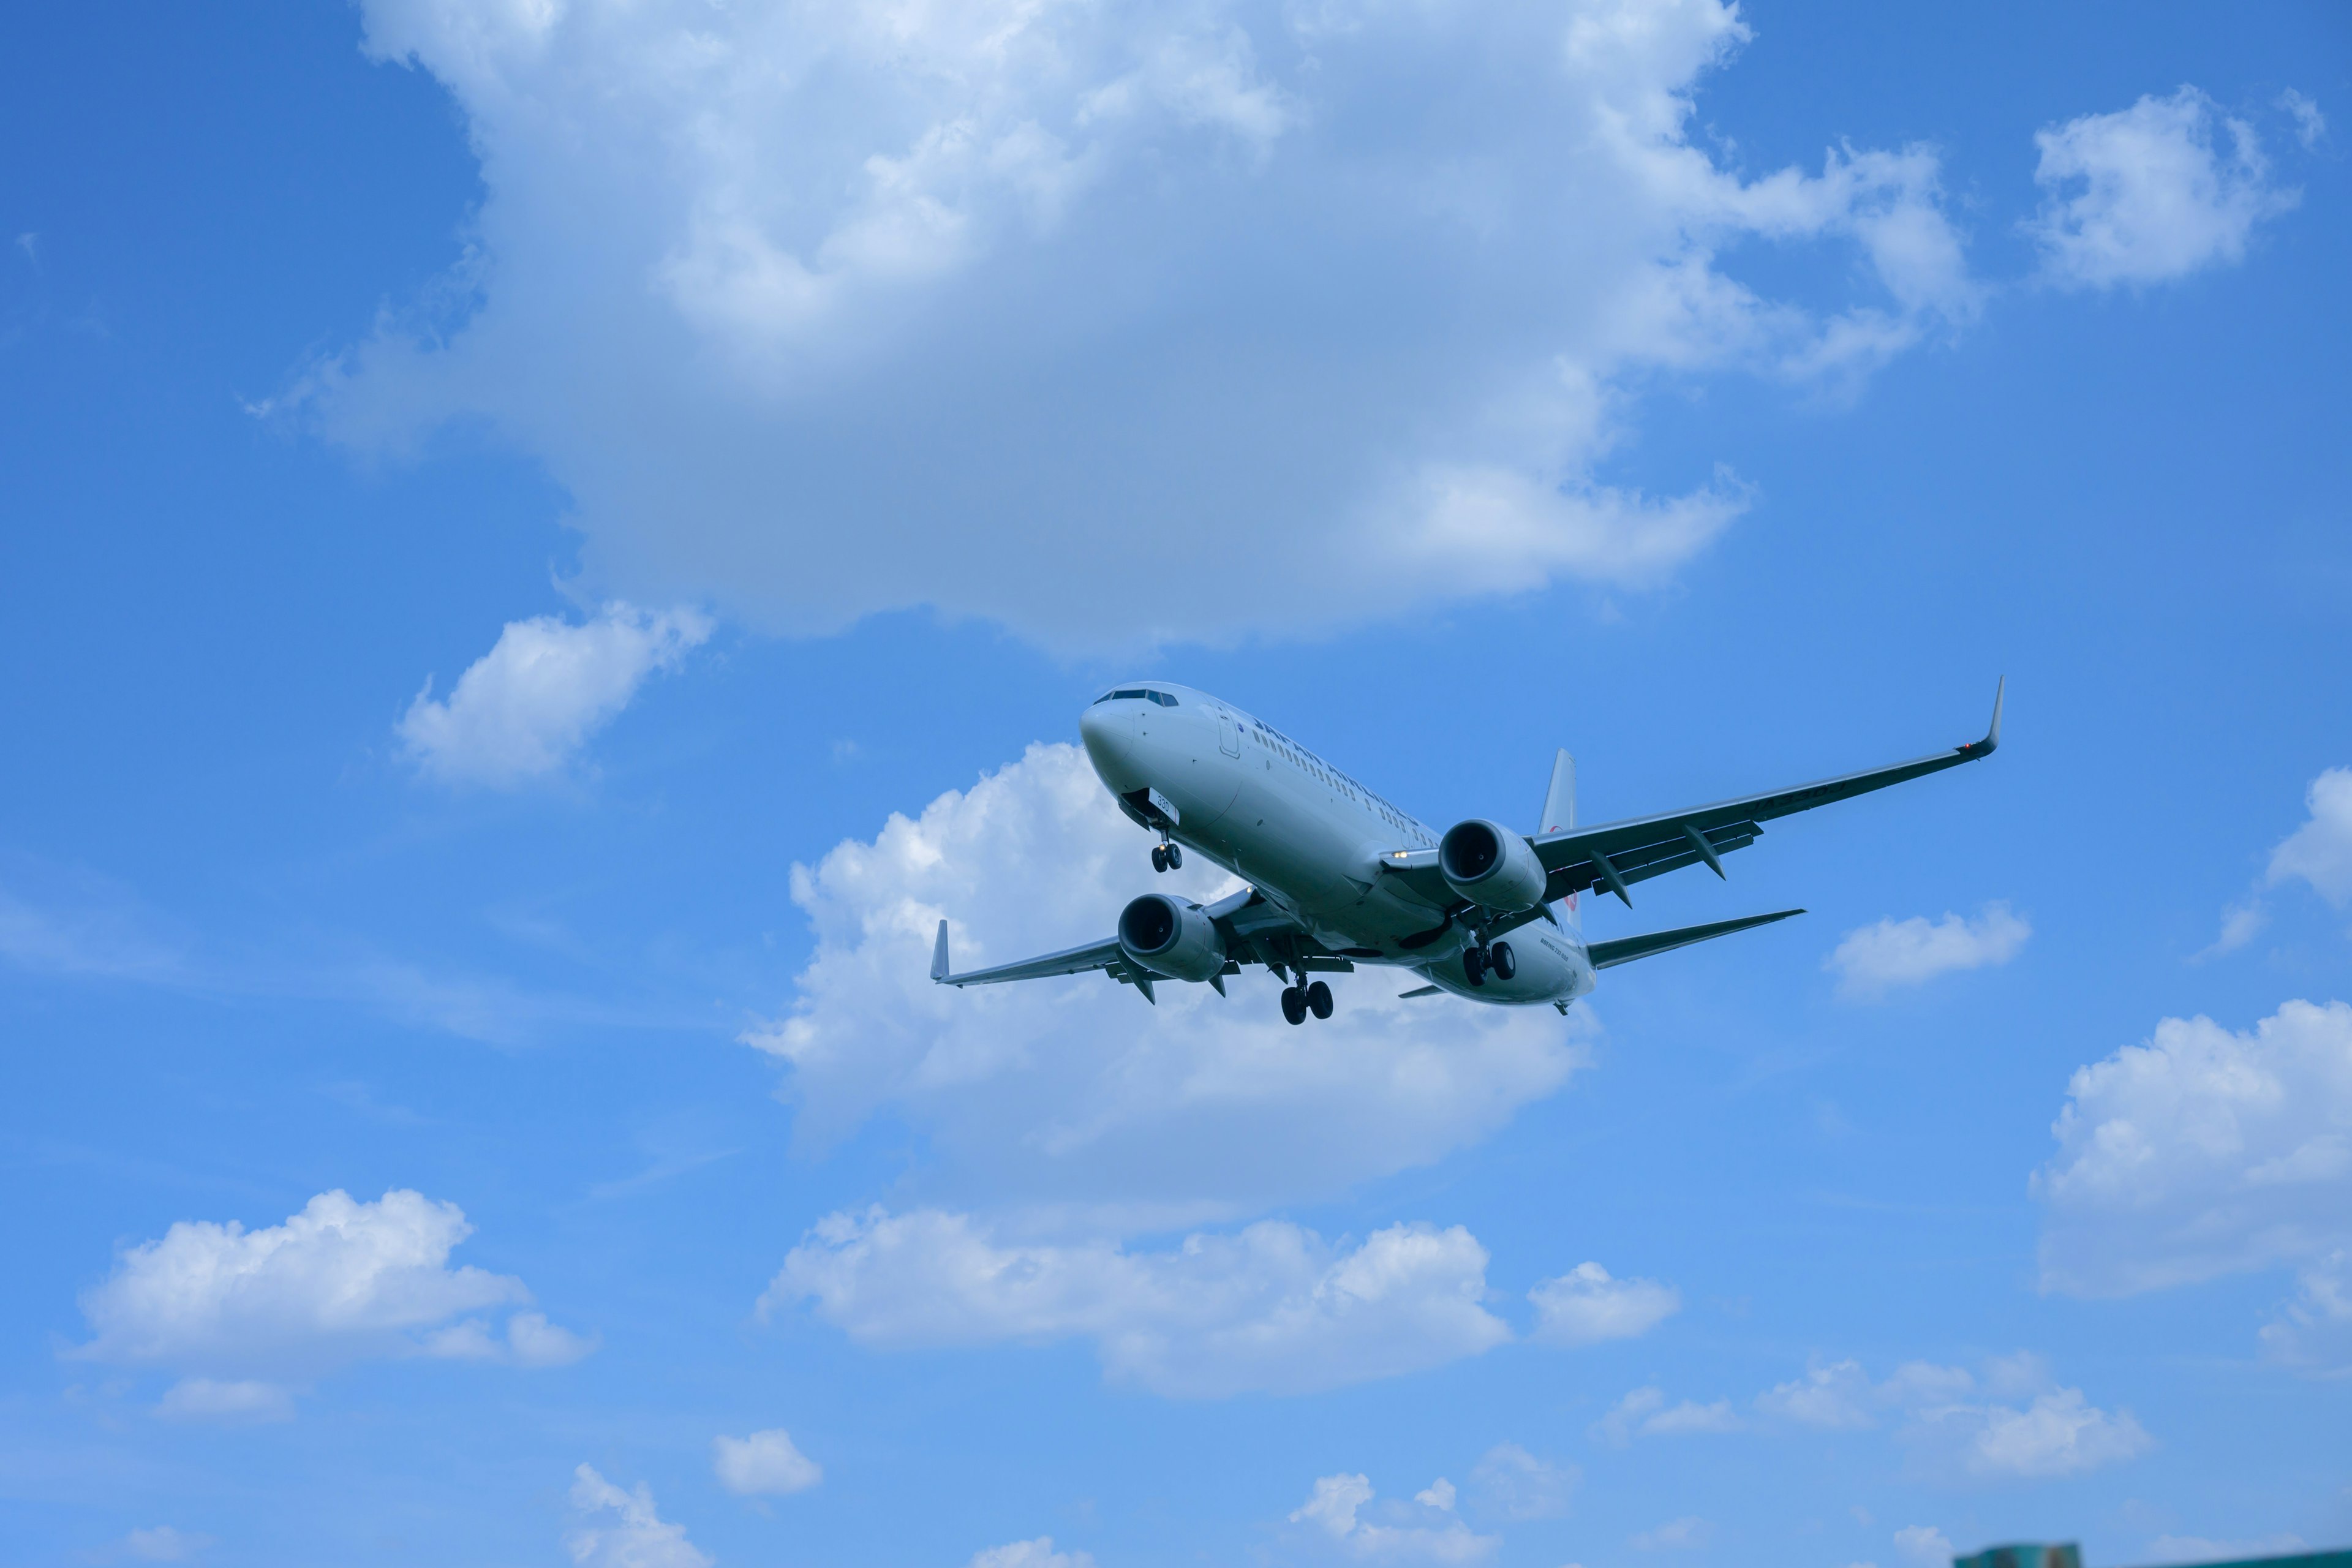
(2202, 1152)
(1074, 1092)
(1423, 1533)
(240, 1311)
(1875, 959)
(763, 1464)
(1275, 1308)
(2010, 1421)
(621, 1529)
(1644, 1413)
(1510, 1481)
(1585, 1306)
(2147, 194)
(818, 311)
(2318, 853)
(1037, 1553)
(523, 709)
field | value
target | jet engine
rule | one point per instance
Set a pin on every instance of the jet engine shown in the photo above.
(1491, 866)
(1170, 937)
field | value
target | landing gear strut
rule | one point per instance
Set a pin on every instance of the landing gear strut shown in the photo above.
(1297, 1001)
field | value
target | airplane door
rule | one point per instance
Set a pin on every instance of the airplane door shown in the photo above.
(1229, 734)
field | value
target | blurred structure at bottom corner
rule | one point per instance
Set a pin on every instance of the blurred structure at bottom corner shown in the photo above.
(2066, 1554)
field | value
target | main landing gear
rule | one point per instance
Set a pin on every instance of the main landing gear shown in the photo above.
(1496, 957)
(1298, 1001)
(1167, 857)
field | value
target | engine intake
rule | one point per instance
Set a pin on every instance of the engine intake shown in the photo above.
(1170, 938)
(1491, 866)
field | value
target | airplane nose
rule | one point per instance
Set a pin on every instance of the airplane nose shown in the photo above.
(1107, 729)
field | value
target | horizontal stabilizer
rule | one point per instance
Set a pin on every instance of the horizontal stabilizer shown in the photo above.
(1418, 990)
(1625, 950)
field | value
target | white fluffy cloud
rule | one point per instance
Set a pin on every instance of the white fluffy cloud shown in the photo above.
(1644, 1413)
(339, 1281)
(763, 1464)
(2318, 853)
(1037, 1553)
(1275, 1308)
(1421, 1531)
(2200, 1152)
(818, 310)
(523, 709)
(1875, 959)
(2147, 194)
(1585, 1306)
(1075, 1094)
(621, 1529)
(2010, 1422)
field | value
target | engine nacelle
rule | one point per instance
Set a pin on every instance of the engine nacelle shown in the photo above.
(1491, 866)
(1171, 938)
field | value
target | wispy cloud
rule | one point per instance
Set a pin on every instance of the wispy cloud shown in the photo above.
(1875, 959)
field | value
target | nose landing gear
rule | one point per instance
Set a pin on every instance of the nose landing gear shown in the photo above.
(1298, 1001)
(1167, 857)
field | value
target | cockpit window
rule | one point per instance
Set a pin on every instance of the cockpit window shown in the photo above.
(1138, 694)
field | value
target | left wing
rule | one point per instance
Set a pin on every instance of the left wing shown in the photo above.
(1255, 932)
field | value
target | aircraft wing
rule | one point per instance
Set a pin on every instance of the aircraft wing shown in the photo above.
(1615, 855)
(1625, 950)
(1255, 932)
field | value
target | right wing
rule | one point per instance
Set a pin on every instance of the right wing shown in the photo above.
(1615, 855)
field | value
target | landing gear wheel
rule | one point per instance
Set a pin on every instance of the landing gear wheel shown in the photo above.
(1175, 857)
(1294, 1004)
(1500, 960)
(1160, 858)
(1319, 999)
(1473, 966)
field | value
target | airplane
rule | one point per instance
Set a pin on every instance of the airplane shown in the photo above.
(1336, 876)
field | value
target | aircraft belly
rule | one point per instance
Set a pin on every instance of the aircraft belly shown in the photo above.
(1552, 968)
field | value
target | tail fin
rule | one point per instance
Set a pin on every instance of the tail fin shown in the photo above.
(1560, 812)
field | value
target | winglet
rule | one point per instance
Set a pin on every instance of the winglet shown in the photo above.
(939, 954)
(1992, 741)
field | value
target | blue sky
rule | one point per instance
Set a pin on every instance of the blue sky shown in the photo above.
(549, 540)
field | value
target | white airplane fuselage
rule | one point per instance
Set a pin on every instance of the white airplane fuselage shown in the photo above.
(1310, 839)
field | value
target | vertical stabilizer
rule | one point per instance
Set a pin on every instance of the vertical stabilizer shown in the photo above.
(1559, 813)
